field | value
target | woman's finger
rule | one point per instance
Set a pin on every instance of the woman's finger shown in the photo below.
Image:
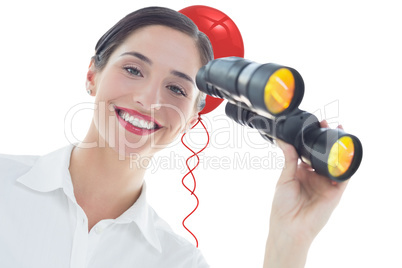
(324, 124)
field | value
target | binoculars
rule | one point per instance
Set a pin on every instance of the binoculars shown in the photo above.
(266, 97)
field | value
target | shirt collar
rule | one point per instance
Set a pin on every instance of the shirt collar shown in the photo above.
(51, 172)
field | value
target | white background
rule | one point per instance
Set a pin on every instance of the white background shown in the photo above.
(349, 54)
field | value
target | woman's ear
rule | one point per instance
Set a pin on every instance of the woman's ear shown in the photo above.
(90, 81)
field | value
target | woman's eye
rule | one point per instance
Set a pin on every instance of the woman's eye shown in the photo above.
(133, 71)
(177, 90)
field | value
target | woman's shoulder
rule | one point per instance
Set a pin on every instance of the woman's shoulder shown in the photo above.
(8, 161)
(167, 234)
(175, 246)
(11, 159)
(13, 166)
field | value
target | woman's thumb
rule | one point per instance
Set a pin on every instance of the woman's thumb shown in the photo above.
(291, 159)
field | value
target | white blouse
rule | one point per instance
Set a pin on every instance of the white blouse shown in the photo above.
(42, 225)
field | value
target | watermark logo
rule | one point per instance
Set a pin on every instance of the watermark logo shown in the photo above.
(224, 133)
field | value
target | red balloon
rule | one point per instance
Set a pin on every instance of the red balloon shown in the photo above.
(224, 35)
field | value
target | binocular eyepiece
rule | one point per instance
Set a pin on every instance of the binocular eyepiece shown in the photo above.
(266, 97)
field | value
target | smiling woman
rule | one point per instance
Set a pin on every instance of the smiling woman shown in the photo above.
(142, 77)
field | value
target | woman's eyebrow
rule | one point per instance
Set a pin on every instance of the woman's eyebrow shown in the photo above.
(182, 75)
(138, 55)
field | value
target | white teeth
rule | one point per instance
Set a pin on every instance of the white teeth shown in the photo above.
(142, 124)
(136, 122)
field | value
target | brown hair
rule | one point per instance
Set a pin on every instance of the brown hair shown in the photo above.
(146, 17)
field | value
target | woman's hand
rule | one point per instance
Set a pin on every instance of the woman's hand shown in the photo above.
(302, 205)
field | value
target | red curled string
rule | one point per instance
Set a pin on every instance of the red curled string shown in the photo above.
(191, 172)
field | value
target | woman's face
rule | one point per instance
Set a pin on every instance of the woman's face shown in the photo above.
(145, 95)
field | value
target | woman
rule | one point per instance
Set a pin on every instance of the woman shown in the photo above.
(85, 206)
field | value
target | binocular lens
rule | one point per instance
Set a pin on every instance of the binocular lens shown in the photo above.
(341, 156)
(279, 91)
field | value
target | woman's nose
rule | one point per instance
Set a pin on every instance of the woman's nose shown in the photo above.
(148, 99)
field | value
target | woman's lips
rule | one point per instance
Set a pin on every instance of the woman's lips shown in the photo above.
(136, 122)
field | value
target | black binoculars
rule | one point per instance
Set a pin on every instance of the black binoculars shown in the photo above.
(266, 97)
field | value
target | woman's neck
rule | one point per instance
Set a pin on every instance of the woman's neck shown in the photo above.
(105, 185)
